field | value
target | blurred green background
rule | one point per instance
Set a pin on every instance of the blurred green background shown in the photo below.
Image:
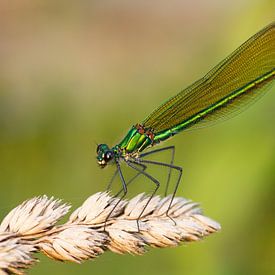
(73, 73)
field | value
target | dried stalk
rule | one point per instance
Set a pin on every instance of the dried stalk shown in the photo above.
(31, 227)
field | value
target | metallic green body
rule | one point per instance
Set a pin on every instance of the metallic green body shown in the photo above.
(134, 142)
(249, 88)
(242, 76)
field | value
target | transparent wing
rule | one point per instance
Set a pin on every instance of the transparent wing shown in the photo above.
(250, 62)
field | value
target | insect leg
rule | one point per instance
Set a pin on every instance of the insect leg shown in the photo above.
(155, 181)
(124, 185)
(170, 148)
(128, 183)
(179, 169)
(144, 167)
(112, 180)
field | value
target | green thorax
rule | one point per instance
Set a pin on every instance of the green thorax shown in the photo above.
(136, 140)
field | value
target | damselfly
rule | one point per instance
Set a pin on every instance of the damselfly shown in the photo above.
(239, 79)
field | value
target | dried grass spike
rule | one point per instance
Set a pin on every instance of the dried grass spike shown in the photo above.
(96, 209)
(34, 216)
(15, 256)
(75, 243)
(32, 227)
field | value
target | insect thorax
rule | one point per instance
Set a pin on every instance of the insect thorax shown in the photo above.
(137, 139)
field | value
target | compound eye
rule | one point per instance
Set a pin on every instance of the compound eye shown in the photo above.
(109, 155)
(98, 148)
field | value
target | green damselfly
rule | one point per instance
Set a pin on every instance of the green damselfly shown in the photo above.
(239, 79)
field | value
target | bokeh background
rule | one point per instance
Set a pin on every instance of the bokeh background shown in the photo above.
(73, 73)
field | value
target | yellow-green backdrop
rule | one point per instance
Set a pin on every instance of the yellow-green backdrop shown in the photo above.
(73, 73)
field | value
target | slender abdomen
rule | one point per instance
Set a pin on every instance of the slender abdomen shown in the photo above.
(249, 90)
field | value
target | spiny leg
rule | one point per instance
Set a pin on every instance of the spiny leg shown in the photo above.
(144, 167)
(112, 180)
(177, 183)
(156, 182)
(172, 148)
(124, 192)
(128, 183)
